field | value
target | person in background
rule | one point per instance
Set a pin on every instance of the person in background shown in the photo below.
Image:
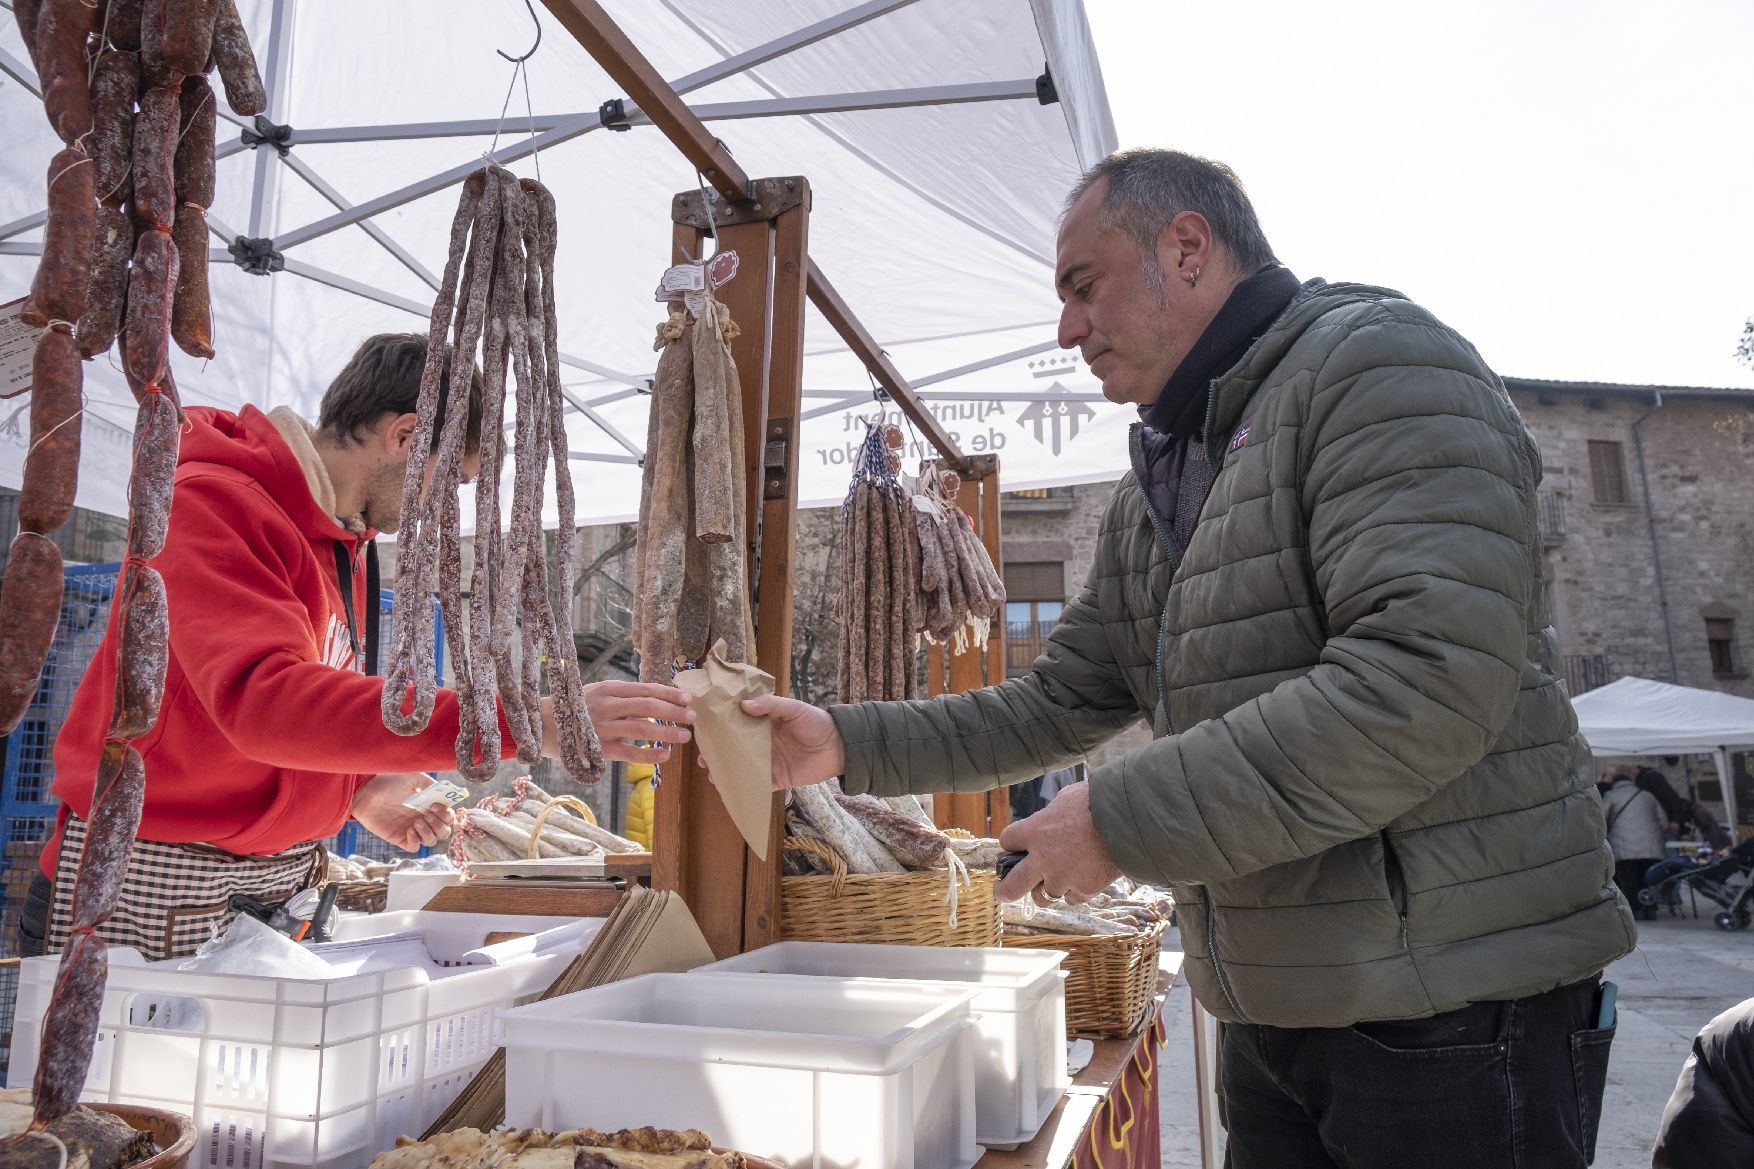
(1636, 825)
(1675, 809)
(1321, 581)
(1709, 1121)
(641, 804)
(271, 733)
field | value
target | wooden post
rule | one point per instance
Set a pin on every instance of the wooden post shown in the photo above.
(982, 813)
(697, 850)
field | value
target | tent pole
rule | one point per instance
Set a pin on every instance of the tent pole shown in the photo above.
(278, 73)
(1727, 783)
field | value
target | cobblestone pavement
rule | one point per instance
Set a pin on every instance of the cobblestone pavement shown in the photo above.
(1683, 973)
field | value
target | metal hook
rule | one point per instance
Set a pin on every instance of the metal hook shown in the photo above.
(534, 47)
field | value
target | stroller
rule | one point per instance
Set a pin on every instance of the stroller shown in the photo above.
(1726, 880)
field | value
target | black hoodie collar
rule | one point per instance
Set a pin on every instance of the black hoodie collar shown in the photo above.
(1252, 306)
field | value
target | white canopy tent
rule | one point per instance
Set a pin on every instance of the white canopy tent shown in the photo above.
(935, 164)
(1638, 716)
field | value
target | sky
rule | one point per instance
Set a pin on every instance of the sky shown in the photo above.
(1567, 183)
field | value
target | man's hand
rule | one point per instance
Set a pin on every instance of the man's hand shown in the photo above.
(378, 806)
(1067, 859)
(624, 714)
(806, 746)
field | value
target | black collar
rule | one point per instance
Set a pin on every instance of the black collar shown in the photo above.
(1253, 305)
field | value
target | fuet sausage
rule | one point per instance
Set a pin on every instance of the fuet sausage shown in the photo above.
(30, 605)
(57, 293)
(236, 63)
(107, 294)
(51, 465)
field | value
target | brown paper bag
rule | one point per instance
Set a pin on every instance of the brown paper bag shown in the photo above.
(737, 747)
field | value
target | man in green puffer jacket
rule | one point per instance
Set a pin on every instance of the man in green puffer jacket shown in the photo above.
(1322, 583)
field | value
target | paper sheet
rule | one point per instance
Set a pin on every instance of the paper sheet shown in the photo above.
(737, 747)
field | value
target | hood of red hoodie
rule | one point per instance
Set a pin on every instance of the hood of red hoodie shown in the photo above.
(248, 441)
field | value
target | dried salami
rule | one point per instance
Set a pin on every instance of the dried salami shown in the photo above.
(57, 405)
(115, 82)
(157, 435)
(191, 311)
(30, 605)
(57, 293)
(142, 653)
(106, 296)
(236, 63)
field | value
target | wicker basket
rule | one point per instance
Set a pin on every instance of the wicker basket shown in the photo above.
(1111, 979)
(898, 909)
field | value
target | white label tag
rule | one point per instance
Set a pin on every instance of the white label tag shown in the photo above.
(437, 795)
(18, 342)
(684, 278)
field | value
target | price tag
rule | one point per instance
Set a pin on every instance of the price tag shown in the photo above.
(18, 342)
(677, 282)
(721, 268)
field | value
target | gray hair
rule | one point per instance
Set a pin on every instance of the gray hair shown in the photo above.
(1148, 188)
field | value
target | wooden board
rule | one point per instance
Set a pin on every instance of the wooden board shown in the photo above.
(517, 898)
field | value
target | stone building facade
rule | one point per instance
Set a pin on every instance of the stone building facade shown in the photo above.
(1647, 519)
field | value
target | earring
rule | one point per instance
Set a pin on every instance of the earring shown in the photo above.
(1194, 278)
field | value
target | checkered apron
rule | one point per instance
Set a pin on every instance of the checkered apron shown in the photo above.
(177, 896)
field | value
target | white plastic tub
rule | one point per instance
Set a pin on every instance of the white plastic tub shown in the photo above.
(1019, 1012)
(280, 1073)
(808, 1072)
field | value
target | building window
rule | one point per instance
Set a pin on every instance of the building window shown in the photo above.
(1035, 593)
(1041, 493)
(1608, 472)
(1720, 639)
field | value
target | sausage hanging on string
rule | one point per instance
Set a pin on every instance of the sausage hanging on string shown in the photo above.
(57, 292)
(115, 83)
(409, 676)
(119, 165)
(62, 29)
(236, 63)
(30, 605)
(157, 436)
(106, 294)
(51, 465)
(499, 242)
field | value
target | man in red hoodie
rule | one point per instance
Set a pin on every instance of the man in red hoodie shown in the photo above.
(270, 736)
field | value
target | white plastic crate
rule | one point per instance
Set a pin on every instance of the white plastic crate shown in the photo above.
(812, 1073)
(287, 1074)
(1019, 1012)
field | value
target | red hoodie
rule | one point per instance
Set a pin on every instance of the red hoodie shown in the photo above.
(266, 731)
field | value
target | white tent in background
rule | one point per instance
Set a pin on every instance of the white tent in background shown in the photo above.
(1637, 716)
(938, 137)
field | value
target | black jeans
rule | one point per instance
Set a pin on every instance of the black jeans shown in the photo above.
(1504, 1085)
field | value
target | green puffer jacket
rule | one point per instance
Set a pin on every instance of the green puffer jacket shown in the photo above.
(1368, 790)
